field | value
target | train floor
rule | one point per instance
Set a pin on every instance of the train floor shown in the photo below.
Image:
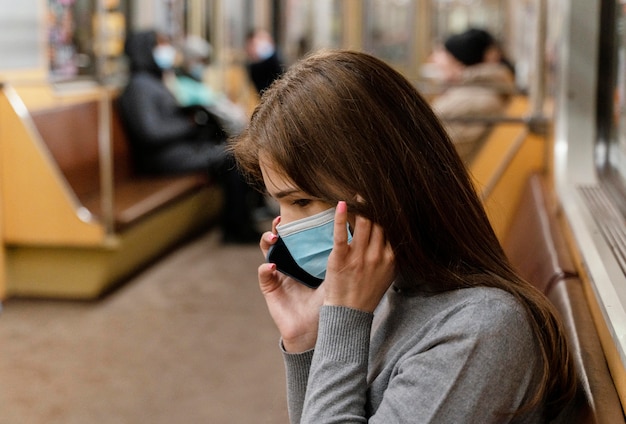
(188, 340)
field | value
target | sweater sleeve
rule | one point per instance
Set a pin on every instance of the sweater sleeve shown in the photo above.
(297, 367)
(477, 364)
(337, 384)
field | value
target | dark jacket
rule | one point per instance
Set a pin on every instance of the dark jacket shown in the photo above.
(164, 136)
(263, 73)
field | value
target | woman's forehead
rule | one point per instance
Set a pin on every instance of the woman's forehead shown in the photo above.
(275, 178)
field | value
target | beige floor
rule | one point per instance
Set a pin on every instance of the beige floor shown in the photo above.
(186, 341)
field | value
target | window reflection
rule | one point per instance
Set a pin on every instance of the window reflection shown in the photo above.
(389, 29)
(85, 39)
(311, 25)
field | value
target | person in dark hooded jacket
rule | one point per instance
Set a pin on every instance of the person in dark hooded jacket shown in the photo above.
(264, 63)
(167, 138)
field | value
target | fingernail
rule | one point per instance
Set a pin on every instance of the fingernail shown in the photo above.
(271, 267)
(272, 237)
(341, 206)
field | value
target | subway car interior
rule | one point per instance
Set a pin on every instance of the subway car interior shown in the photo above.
(119, 301)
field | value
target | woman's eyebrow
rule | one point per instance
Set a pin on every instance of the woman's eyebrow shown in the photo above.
(285, 193)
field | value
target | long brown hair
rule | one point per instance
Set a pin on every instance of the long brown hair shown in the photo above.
(341, 123)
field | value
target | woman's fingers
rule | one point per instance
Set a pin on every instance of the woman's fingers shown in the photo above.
(268, 280)
(359, 273)
(275, 222)
(340, 236)
(269, 237)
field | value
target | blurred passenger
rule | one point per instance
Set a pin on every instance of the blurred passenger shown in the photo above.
(264, 63)
(191, 89)
(480, 81)
(304, 46)
(167, 138)
(419, 316)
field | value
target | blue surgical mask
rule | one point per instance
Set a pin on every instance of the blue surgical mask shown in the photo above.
(164, 56)
(264, 49)
(310, 241)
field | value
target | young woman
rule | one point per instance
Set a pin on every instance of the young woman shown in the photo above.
(420, 317)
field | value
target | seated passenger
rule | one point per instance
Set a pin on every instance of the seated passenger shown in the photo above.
(191, 89)
(167, 139)
(420, 317)
(264, 64)
(480, 83)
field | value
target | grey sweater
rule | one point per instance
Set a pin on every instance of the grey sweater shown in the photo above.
(465, 356)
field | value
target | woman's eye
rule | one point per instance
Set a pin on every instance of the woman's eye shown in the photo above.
(301, 202)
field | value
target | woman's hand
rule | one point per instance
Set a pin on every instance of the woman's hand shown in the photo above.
(293, 306)
(359, 273)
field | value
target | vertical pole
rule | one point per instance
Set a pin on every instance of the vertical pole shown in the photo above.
(100, 41)
(220, 42)
(105, 155)
(196, 18)
(353, 18)
(3, 268)
(421, 36)
(537, 88)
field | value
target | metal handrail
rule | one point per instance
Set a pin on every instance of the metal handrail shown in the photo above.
(429, 88)
(536, 123)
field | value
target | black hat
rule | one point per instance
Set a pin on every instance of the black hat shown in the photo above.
(469, 47)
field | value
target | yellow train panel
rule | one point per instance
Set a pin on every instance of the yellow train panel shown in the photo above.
(38, 206)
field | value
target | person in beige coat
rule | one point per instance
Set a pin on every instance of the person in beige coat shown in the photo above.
(479, 83)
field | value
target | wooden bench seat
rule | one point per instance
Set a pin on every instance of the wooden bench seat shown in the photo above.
(508, 155)
(137, 198)
(537, 248)
(71, 134)
(534, 242)
(77, 219)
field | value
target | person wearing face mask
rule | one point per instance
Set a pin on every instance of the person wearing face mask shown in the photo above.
(419, 317)
(190, 88)
(167, 138)
(264, 63)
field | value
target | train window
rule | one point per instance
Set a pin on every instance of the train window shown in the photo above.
(310, 25)
(610, 151)
(86, 40)
(456, 15)
(20, 45)
(389, 28)
(587, 69)
(612, 94)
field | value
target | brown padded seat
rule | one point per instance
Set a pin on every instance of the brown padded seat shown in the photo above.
(71, 134)
(135, 199)
(534, 234)
(596, 398)
(538, 250)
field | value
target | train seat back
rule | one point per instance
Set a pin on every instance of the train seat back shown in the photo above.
(71, 133)
(537, 249)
